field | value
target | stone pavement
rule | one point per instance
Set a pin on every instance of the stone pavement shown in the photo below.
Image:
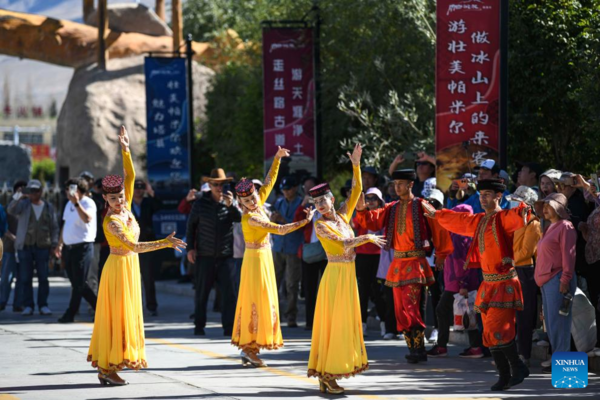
(41, 359)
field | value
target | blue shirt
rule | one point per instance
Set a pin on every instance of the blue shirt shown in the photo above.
(3, 221)
(288, 244)
(474, 202)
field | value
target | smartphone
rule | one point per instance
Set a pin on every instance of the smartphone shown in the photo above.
(463, 184)
(72, 189)
(595, 182)
(409, 156)
(568, 181)
(226, 188)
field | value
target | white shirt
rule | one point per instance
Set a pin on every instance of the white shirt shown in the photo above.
(75, 230)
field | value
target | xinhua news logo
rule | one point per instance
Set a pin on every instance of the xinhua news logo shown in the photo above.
(569, 370)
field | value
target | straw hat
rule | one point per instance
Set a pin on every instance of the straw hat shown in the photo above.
(217, 175)
(558, 202)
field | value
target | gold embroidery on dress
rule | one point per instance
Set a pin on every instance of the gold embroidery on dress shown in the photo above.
(402, 217)
(140, 247)
(481, 231)
(342, 258)
(253, 326)
(495, 232)
(120, 252)
(238, 329)
(257, 246)
(262, 222)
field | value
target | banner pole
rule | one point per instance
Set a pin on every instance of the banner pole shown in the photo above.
(190, 90)
(503, 117)
(317, 72)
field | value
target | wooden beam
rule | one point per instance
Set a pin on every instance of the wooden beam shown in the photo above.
(177, 24)
(70, 44)
(88, 8)
(102, 33)
(160, 9)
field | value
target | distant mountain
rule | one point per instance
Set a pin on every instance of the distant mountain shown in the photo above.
(35, 81)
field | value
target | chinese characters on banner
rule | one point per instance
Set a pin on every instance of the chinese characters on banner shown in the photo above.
(288, 102)
(467, 86)
(167, 139)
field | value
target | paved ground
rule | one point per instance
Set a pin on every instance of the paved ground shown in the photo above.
(41, 359)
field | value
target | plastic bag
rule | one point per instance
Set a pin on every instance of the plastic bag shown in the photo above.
(470, 319)
(461, 307)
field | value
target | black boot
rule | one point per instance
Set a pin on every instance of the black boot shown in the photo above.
(412, 356)
(518, 369)
(419, 344)
(503, 368)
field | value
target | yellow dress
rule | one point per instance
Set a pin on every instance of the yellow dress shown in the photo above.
(337, 347)
(118, 336)
(257, 311)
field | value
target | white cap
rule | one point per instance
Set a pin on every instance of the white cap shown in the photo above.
(504, 175)
(257, 182)
(376, 192)
(524, 194)
(430, 183)
(488, 164)
(435, 194)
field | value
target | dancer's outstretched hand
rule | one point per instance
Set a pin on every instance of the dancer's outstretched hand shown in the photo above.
(124, 139)
(310, 213)
(356, 154)
(176, 243)
(429, 210)
(377, 240)
(282, 152)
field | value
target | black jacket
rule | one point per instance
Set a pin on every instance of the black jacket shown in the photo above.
(210, 227)
(148, 207)
(580, 211)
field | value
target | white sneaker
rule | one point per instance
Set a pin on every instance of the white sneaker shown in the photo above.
(382, 327)
(389, 336)
(45, 311)
(365, 329)
(433, 337)
(547, 363)
(27, 311)
(401, 336)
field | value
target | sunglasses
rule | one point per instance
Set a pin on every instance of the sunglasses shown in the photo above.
(371, 198)
(218, 184)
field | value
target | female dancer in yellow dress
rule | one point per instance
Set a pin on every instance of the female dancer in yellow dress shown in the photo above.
(337, 348)
(257, 311)
(118, 336)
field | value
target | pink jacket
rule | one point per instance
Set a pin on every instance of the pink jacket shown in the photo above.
(556, 253)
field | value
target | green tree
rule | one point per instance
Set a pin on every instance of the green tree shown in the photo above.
(554, 66)
(44, 170)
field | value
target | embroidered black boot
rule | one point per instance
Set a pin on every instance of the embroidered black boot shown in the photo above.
(518, 369)
(412, 356)
(419, 343)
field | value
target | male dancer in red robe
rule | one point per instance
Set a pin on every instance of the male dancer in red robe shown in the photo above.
(499, 296)
(410, 234)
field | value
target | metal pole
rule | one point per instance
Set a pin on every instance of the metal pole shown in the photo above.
(317, 67)
(503, 101)
(190, 90)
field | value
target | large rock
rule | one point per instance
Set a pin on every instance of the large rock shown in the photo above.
(15, 162)
(97, 104)
(132, 18)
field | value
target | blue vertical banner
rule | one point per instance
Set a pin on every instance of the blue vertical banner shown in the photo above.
(167, 143)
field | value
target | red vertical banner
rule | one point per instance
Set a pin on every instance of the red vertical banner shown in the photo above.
(467, 86)
(289, 96)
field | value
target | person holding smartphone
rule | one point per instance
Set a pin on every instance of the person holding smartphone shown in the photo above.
(76, 245)
(210, 249)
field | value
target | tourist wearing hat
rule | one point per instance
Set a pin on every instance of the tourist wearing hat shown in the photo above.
(210, 249)
(257, 324)
(549, 181)
(525, 248)
(10, 265)
(367, 262)
(370, 177)
(288, 266)
(412, 236)
(337, 348)
(118, 335)
(37, 236)
(489, 169)
(499, 296)
(555, 271)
